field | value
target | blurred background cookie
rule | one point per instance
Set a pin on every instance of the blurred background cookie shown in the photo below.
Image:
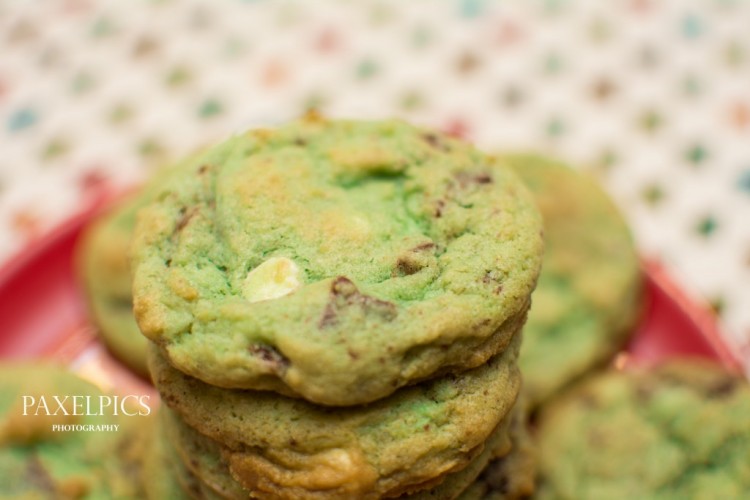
(589, 294)
(679, 430)
(104, 267)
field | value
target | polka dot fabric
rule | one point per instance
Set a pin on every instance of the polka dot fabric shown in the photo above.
(650, 96)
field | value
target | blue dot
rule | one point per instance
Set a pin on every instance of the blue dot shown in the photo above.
(692, 27)
(471, 8)
(743, 182)
(21, 119)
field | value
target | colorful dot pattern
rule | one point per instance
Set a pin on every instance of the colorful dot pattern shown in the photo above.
(651, 97)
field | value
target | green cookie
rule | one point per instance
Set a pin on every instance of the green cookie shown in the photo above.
(201, 457)
(678, 431)
(290, 448)
(510, 476)
(48, 454)
(336, 260)
(103, 262)
(166, 477)
(589, 292)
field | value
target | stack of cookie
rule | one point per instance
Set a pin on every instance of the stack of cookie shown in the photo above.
(335, 312)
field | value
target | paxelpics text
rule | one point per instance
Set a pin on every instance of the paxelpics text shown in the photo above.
(132, 405)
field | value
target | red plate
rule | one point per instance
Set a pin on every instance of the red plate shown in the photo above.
(43, 314)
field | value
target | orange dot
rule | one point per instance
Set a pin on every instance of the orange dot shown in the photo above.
(274, 74)
(740, 115)
(25, 223)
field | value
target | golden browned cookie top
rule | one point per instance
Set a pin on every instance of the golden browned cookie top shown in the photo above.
(337, 260)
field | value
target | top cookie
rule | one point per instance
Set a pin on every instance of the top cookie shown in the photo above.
(680, 430)
(335, 260)
(589, 292)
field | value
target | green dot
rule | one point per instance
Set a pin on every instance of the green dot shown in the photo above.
(82, 83)
(422, 37)
(717, 305)
(554, 6)
(653, 194)
(177, 76)
(234, 47)
(734, 54)
(706, 226)
(150, 147)
(412, 100)
(691, 85)
(553, 63)
(380, 14)
(555, 127)
(314, 101)
(650, 121)
(367, 68)
(607, 159)
(120, 113)
(102, 27)
(210, 108)
(696, 155)
(600, 30)
(55, 148)
(692, 26)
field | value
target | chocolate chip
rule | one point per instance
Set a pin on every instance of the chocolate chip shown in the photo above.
(353, 354)
(406, 267)
(184, 217)
(467, 179)
(588, 400)
(299, 141)
(440, 205)
(343, 287)
(423, 246)
(483, 179)
(385, 309)
(273, 358)
(329, 317)
(492, 278)
(436, 141)
(723, 389)
(496, 476)
(643, 393)
(344, 294)
(37, 475)
(203, 169)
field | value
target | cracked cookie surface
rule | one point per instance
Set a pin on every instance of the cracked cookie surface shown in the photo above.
(390, 254)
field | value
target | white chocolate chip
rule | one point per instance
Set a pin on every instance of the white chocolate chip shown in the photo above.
(274, 278)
